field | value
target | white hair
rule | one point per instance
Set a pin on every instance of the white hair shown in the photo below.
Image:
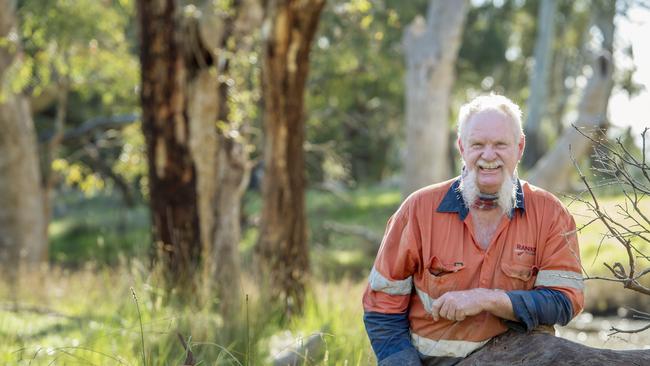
(490, 102)
(507, 194)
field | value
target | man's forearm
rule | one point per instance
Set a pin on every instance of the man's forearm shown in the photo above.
(531, 307)
(498, 303)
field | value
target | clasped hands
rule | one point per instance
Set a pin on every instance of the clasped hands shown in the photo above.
(457, 305)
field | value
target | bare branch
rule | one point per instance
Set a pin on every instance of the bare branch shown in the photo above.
(618, 330)
(603, 219)
(643, 273)
(94, 124)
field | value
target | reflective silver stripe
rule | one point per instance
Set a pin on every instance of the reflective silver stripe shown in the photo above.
(560, 279)
(381, 283)
(444, 347)
(427, 301)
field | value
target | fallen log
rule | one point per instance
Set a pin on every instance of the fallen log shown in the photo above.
(541, 348)
(307, 352)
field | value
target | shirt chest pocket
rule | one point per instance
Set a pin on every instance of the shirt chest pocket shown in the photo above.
(517, 276)
(443, 275)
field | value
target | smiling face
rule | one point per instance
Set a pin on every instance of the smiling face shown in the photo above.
(490, 147)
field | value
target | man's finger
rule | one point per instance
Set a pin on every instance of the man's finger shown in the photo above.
(435, 308)
(451, 314)
(447, 310)
(460, 315)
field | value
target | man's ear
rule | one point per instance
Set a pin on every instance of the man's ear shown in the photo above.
(460, 146)
(522, 145)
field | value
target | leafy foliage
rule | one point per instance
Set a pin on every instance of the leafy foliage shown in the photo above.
(83, 48)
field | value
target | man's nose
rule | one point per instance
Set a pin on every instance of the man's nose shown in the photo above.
(489, 153)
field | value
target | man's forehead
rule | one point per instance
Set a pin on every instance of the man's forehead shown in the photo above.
(491, 120)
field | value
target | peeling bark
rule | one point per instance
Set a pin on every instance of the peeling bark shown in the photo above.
(172, 172)
(282, 251)
(219, 162)
(219, 149)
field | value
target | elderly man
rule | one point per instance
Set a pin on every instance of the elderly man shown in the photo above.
(464, 260)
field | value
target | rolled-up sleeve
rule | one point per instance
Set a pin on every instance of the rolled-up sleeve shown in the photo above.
(559, 260)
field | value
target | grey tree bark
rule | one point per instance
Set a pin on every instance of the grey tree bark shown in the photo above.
(223, 164)
(22, 221)
(431, 48)
(537, 100)
(554, 171)
(222, 161)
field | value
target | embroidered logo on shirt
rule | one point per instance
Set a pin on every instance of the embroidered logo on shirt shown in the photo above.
(521, 249)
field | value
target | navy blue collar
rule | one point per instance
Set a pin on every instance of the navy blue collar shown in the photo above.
(453, 201)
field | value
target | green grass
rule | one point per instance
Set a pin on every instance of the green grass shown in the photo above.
(97, 229)
(90, 317)
(595, 246)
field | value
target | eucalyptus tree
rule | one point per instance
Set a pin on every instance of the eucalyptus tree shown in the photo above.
(539, 81)
(196, 163)
(431, 49)
(554, 171)
(282, 250)
(22, 220)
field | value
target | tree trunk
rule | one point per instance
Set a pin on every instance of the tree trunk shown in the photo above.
(165, 123)
(22, 222)
(282, 250)
(540, 349)
(217, 163)
(233, 173)
(537, 100)
(223, 167)
(431, 50)
(555, 170)
(220, 151)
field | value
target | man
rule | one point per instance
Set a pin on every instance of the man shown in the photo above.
(464, 260)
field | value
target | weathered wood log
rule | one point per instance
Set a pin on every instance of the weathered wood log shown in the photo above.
(306, 352)
(540, 348)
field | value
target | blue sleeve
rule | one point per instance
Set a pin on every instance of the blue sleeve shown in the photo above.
(390, 336)
(540, 306)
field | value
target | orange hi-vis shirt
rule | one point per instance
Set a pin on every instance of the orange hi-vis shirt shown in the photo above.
(429, 248)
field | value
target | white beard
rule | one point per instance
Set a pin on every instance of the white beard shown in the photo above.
(507, 194)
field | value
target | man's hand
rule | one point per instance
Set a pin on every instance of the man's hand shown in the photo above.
(457, 305)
